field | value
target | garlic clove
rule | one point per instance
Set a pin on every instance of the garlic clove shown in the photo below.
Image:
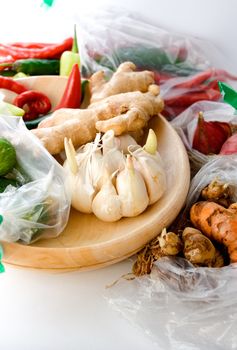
(152, 170)
(106, 204)
(131, 190)
(70, 155)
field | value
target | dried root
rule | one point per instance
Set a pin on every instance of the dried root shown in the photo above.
(165, 244)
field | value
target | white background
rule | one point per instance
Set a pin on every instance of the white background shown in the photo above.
(68, 311)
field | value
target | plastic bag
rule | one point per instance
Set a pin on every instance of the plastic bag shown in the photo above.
(181, 65)
(186, 122)
(111, 36)
(180, 306)
(39, 208)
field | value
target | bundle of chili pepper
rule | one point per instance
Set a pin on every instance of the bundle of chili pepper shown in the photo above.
(201, 86)
(30, 51)
(32, 58)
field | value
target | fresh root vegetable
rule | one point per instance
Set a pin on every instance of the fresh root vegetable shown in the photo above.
(122, 113)
(217, 223)
(125, 79)
(199, 250)
(218, 192)
(165, 244)
(210, 136)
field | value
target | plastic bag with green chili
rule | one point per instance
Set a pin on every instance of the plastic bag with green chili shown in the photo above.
(110, 36)
(38, 205)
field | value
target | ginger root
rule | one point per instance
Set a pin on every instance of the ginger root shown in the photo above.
(125, 79)
(123, 113)
(199, 250)
(217, 223)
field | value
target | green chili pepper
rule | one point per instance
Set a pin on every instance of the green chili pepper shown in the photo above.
(143, 57)
(69, 58)
(11, 109)
(34, 66)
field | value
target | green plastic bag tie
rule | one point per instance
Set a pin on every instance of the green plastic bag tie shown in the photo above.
(47, 3)
(228, 93)
(2, 268)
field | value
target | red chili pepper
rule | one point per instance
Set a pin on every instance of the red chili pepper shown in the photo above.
(197, 79)
(72, 94)
(51, 51)
(12, 85)
(29, 45)
(192, 97)
(35, 104)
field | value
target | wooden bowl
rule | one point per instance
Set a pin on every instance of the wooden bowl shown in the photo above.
(87, 242)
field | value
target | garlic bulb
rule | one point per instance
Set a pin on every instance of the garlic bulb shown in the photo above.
(106, 204)
(149, 163)
(131, 190)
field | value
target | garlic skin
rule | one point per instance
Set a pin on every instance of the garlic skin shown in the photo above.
(79, 177)
(123, 142)
(132, 191)
(81, 188)
(113, 158)
(106, 204)
(151, 168)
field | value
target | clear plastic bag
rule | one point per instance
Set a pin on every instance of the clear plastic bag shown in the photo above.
(181, 65)
(111, 36)
(39, 208)
(181, 306)
(186, 122)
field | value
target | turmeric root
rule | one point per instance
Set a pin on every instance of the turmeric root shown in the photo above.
(125, 79)
(131, 112)
(218, 223)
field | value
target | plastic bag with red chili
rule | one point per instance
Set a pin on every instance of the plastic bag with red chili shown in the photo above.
(181, 93)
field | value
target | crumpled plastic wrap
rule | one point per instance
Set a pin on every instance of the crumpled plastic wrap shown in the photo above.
(40, 207)
(180, 306)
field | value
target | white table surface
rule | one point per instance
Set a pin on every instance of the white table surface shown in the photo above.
(47, 311)
(44, 311)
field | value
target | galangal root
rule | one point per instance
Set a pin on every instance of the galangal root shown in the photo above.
(122, 113)
(217, 223)
(199, 250)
